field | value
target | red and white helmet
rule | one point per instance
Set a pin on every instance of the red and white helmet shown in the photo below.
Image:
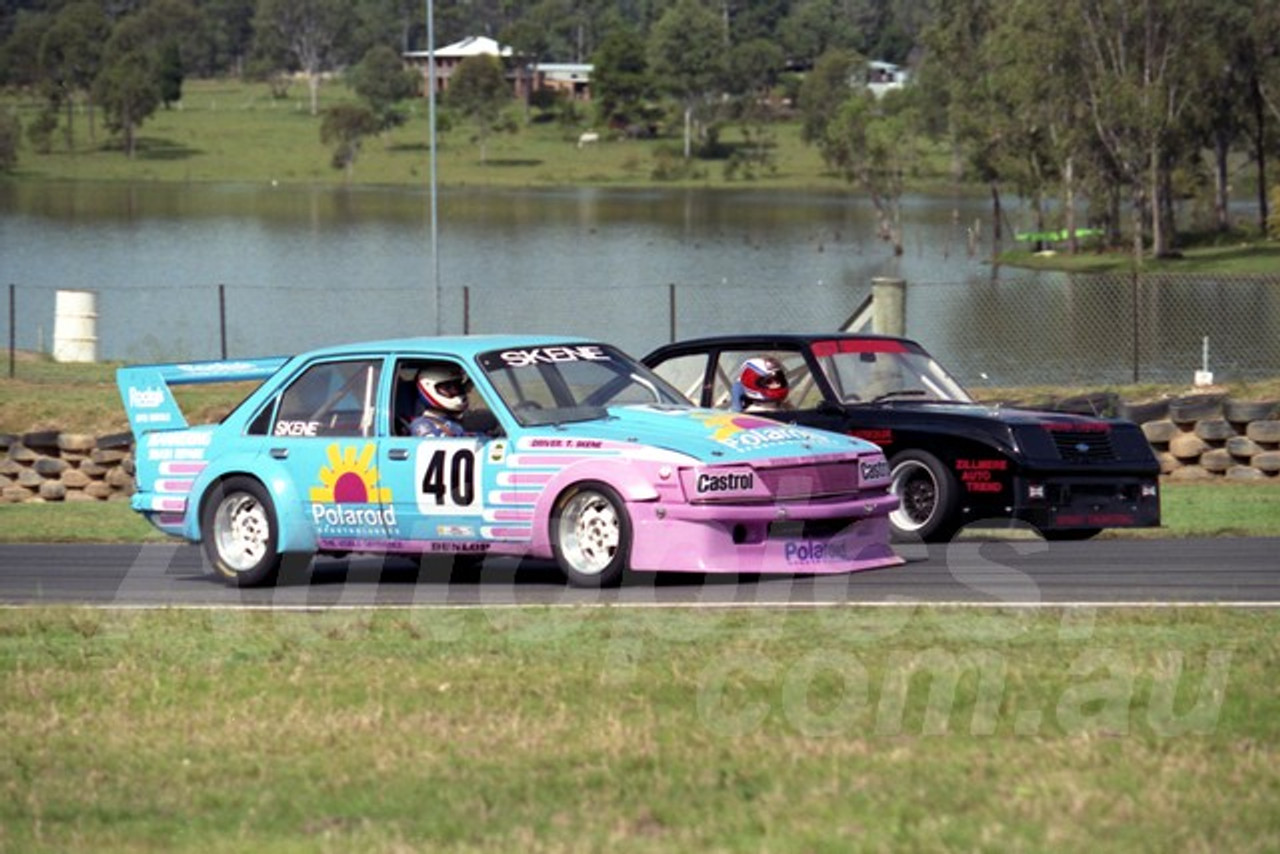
(763, 380)
(444, 387)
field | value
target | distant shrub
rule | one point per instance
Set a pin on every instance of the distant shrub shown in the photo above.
(10, 134)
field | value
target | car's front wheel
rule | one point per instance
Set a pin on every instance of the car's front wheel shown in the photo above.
(591, 535)
(240, 533)
(927, 493)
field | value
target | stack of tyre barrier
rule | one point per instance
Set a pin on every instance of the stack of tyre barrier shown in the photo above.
(1200, 436)
(1196, 437)
(52, 466)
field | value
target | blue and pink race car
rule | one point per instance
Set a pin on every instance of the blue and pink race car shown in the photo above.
(569, 450)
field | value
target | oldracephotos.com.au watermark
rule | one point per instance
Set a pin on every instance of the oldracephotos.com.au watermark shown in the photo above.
(937, 691)
(876, 675)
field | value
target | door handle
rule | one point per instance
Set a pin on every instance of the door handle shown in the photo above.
(398, 454)
(279, 453)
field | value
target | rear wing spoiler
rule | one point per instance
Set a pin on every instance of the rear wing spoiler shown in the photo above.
(148, 399)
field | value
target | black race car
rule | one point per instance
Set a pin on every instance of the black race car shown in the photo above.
(954, 461)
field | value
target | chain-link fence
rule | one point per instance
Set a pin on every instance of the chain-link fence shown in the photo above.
(1101, 329)
(1041, 329)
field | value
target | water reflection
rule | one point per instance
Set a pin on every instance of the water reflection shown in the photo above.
(304, 267)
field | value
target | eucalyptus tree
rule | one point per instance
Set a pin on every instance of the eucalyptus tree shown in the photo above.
(19, 54)
(381, 80)
(344, 127)
(557, 30)
(478, 90)
(875, 143)
(1045, 135)
(311, 33)
(620, 82)
(70, 58)
(814, 27)
(1263, 86)
(753, 70)
(391, 23)
(539, 36)
(756, 19)
(686, 51)
(10, 134)
(957, 75)
(1219, 117)
(825, 88)
(128, 87)
(227, 28)
(1139, 86)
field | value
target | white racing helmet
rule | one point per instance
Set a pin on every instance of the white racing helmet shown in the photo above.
(444, 387)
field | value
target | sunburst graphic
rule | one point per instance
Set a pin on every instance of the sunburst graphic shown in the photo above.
(350, 478)
(725, 424)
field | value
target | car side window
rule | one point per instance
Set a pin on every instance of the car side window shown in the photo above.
(803, 392)
(407, 403)
(686, 373)
(330, 399)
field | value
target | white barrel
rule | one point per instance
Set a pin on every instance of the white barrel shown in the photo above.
(75, 327)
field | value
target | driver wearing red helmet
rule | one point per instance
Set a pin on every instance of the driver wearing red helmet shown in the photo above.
(761, 386)
(443, 391)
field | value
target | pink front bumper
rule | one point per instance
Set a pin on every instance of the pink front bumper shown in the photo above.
(734, 538)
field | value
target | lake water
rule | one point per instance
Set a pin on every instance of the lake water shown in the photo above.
(304, 267)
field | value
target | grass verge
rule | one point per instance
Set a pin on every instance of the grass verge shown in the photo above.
(559, 730)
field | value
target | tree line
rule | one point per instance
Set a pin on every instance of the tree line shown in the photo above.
(1105, 112)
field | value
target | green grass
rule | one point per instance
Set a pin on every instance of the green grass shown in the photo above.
(610, 729)
(83, 398)
(1246, 255)
(75, 522)
(231, 132)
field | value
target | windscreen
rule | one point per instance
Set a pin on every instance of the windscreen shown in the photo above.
(572, 382)
(879, 370)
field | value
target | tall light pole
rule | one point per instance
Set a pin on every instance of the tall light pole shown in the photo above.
(431, 121)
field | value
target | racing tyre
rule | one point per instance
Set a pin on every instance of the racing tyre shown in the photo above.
(240, 534)
(928, 493)
(591, 535)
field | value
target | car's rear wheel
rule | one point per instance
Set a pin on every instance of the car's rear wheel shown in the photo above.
(240, 533)
(927, 494)
(591, 535)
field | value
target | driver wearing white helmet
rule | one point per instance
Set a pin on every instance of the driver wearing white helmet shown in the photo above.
(442, 390)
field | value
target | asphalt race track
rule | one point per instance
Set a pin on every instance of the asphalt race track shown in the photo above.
(1021, 572)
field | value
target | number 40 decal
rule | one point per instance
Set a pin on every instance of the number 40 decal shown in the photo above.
(447, 478)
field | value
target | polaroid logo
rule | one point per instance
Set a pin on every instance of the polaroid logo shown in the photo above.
(805, 552)
(761, 437)
(145, 398)
(336, 515)
(731, 482)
